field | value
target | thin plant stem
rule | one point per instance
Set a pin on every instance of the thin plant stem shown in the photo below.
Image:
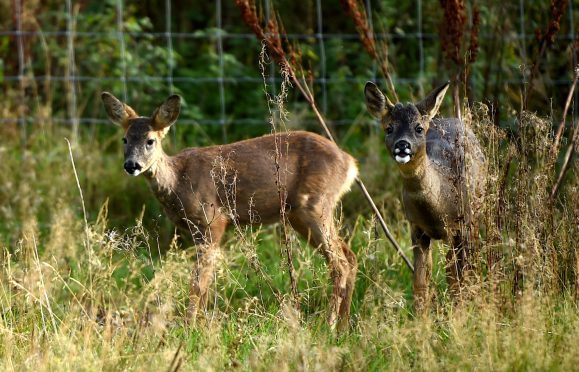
(87, 240)
(566, 162)
(561, 127)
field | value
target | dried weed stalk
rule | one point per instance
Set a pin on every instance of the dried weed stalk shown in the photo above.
(289, 62)
(546, 39)
(561, 127)
(527, 241)
(277, 120)
(473, 46)
(378, 52)
(454, 45)
(572, 147)
(225, 179)
(571, 150)
(452, 29)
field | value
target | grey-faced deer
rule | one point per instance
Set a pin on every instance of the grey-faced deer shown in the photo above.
(203, 190)
(438, 183)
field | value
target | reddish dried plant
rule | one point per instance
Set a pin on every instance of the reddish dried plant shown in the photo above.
(558, 8)
(473, 46)
(358, 14)
(356, 10)
(456, 49)
(452, 29)
(270, 35)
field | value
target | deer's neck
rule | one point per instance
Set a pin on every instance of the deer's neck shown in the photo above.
(420, 175)
(162, 175)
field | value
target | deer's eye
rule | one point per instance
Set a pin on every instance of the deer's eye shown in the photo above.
(419, 129)
(150, 142)
(389, 130)
(124, 141)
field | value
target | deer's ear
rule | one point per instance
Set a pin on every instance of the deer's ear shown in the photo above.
(166, 114)
(119, 113)
(430, 105)
(377, 103)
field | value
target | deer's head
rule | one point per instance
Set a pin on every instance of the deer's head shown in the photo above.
(142, 135)
(405, 124)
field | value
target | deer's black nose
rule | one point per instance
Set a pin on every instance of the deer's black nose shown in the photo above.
(402, 145)
(132, 167)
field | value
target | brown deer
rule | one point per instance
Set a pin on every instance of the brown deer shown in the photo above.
(203, 190)
(441, 165)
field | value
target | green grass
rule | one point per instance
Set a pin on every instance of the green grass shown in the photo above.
(117, 301)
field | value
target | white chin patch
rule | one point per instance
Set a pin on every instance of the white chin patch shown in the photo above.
(135, 173)
(402, 159)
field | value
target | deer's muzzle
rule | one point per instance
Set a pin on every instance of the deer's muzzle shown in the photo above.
(133, 168)
(402, 151)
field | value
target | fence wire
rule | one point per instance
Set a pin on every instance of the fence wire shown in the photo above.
(222, 81)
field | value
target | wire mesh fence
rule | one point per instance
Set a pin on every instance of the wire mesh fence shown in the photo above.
(136, 56)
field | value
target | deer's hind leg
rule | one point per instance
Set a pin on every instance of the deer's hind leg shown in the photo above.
(202, 276)
(422, 269)
(318, 228)
(350, 284)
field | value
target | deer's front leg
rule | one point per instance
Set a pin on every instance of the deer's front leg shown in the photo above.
(422, 269)
(203, 272)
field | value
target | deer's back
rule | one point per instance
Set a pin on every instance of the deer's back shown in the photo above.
(448, 139)
(456, 152)
(455, 161)
(246, 178)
